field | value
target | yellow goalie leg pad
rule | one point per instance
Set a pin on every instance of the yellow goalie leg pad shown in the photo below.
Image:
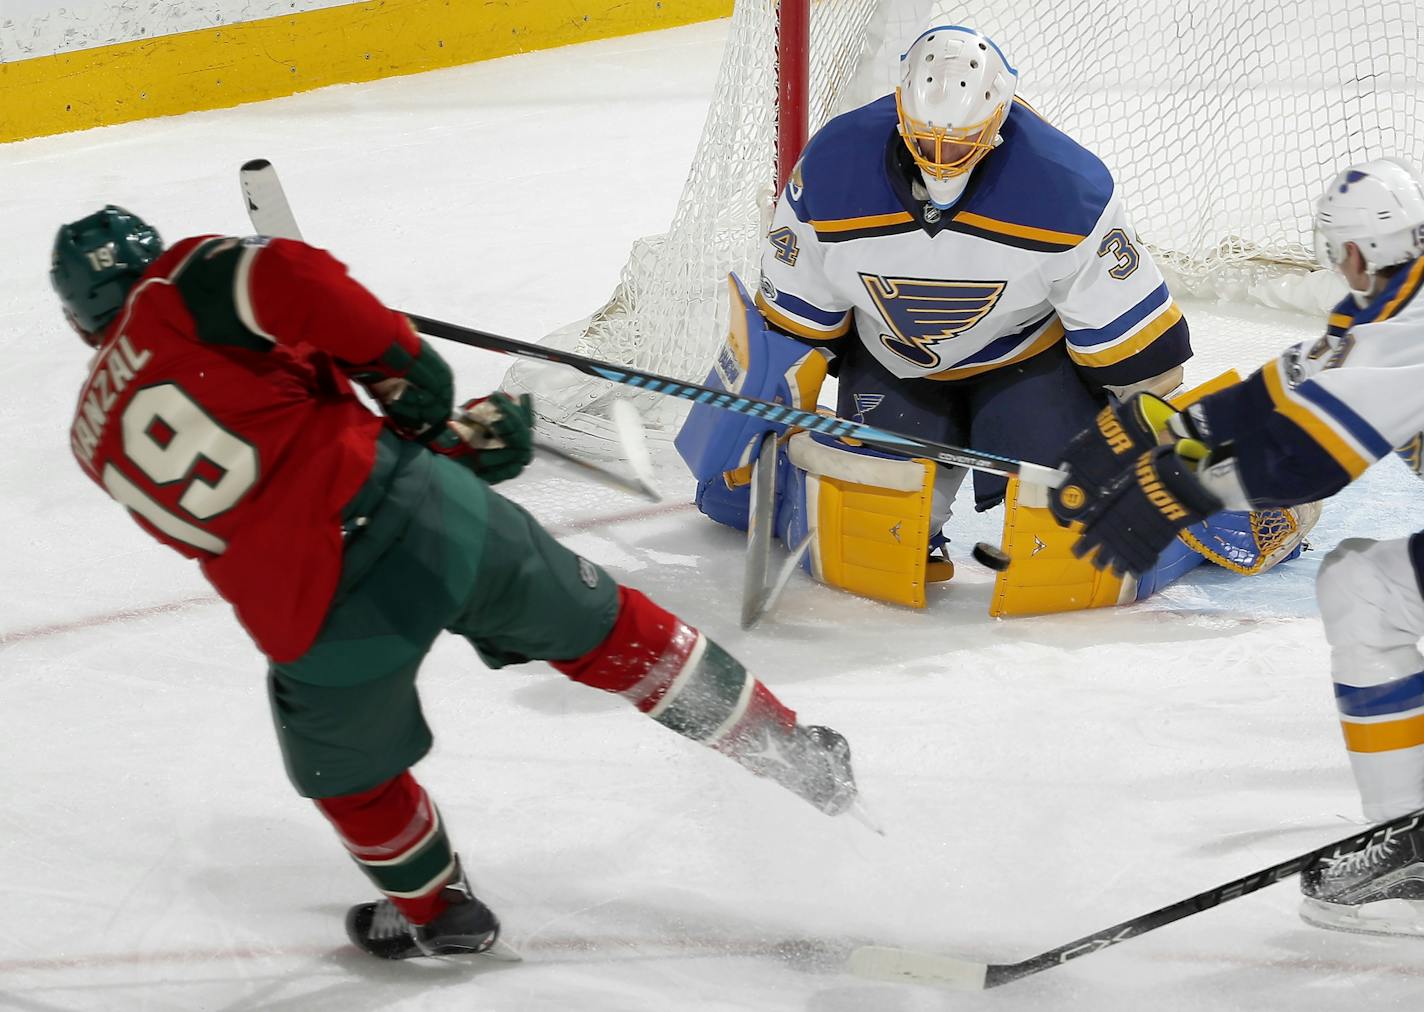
(871, 517)
(1045, 576)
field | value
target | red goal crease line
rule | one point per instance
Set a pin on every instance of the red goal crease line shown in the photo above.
(202, 600)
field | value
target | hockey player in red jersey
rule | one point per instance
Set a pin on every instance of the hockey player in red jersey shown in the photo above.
(220, 410)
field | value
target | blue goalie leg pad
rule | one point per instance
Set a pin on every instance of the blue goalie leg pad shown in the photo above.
(755, 362)
(1176, 561)
(730, 506)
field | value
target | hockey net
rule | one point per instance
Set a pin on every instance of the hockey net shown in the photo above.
(1221, 121)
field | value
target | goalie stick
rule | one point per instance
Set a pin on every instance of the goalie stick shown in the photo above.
(266, 199)
(271, 214)
(760, 589)
(886, 963)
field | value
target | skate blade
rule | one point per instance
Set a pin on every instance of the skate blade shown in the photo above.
(862, 814)
(1393, 918)
(502, 952)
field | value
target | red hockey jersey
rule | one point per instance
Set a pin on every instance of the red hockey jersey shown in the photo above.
(218, 412)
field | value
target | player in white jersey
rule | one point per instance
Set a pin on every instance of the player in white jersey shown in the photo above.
(968, 273)
(1301, 428)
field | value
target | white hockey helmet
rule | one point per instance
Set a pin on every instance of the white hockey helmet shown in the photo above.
(955, 90)
(1377, 205)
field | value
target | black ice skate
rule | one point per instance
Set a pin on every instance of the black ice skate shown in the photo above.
(811, 762)
(1375, 891)
(466, 927)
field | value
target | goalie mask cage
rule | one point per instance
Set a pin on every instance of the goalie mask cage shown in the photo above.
(1221, 121)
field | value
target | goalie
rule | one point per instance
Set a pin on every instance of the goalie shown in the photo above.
(968, 273)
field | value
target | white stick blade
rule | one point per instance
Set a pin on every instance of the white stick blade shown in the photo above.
(267, 205)
(882, 962)
(757, 564)
(793, 561)
(634, 439)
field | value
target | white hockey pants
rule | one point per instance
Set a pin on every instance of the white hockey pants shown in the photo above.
(1374, 617)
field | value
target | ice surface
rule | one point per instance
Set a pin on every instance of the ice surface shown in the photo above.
(1038, 779)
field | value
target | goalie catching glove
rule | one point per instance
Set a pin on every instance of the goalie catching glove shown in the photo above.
(492, 436)
(1137, 517)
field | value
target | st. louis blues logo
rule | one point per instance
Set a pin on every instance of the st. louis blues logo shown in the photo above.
(865, 404)
(921, 312)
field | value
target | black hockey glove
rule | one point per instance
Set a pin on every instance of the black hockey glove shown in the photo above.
(1095, 458)
(492, 436)
(1134, 520)
(416, 391)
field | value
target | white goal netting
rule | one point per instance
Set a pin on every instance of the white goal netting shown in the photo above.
(1220, 119)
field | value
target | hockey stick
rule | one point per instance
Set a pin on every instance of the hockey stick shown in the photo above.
(271, 214)
(885, 963)
(264, 199)
(760, 588)
(870, 435)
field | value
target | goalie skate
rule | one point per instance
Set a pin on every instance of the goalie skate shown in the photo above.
(1375, 891)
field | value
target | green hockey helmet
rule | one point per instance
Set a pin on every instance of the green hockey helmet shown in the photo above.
(96, 261)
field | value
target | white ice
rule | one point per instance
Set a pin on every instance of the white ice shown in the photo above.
(1038, 779)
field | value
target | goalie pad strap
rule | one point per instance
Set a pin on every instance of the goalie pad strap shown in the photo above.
(832, 460)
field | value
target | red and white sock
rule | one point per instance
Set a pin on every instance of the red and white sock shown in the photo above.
(394, 833)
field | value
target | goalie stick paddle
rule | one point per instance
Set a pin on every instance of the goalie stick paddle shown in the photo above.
(916, 966)
(266, 202)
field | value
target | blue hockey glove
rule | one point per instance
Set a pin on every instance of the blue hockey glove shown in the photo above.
(1095, 457)
(1141, 513)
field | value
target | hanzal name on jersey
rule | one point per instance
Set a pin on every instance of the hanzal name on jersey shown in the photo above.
(114, 370)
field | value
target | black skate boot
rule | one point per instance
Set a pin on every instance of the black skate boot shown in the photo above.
(811, 762)
(465, 927)
(1375, 891)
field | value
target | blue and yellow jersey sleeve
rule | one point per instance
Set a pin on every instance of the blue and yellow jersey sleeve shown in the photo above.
(1308, 423)
(837, 193)
(795, 295)
(1120, 322)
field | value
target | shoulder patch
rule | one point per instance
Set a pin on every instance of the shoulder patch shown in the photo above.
(208, 282)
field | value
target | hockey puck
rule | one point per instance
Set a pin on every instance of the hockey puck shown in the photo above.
(988, 555)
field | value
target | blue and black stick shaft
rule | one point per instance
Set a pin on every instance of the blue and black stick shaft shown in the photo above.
(881, 439)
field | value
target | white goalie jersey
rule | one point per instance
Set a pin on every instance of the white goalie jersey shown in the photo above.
(1038, 251)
